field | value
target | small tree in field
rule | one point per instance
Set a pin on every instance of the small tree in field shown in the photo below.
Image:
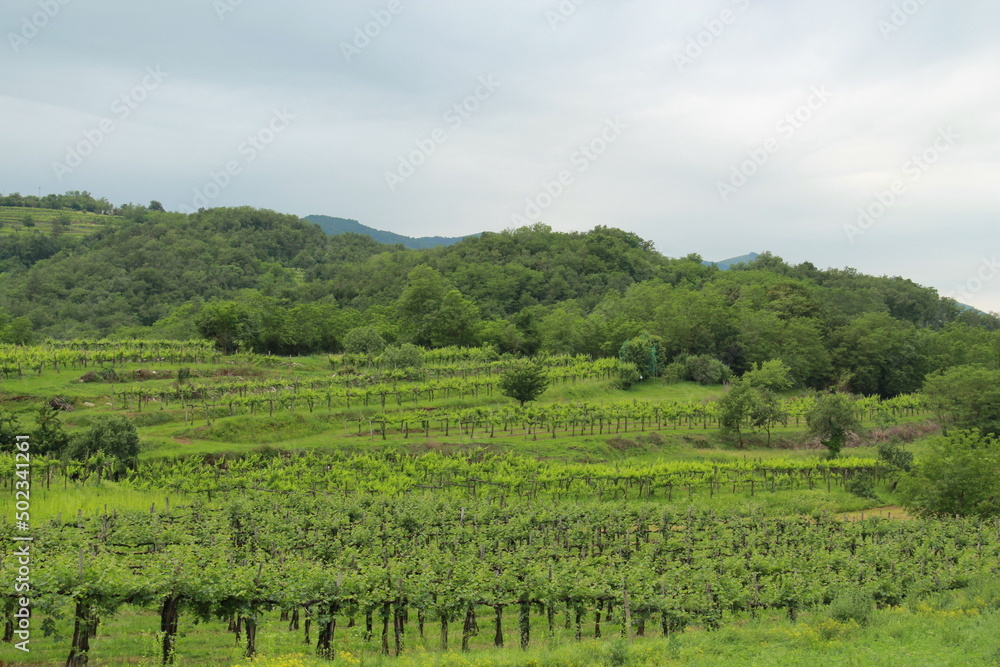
(524, 381)
(833, 419)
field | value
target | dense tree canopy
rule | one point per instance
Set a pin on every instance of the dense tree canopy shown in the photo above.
(258, 280)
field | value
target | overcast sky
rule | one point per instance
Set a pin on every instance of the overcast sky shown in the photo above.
(861, 133)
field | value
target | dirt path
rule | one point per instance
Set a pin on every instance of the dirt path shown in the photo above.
(887, 512)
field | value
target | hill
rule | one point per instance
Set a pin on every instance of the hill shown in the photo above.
(334, 226)
(727, 264)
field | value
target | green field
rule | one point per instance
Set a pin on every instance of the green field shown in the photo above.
(273, 491)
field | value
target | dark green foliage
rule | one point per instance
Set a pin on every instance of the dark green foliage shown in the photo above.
(298, 291)
(10, 428)
(706, 370)
(862, 485)
(114, 435)
(642, 352)
(833, 419)
(880, 355)
(48, 438)
(364, 340)
(895, 457)
(524, 381)
(747, 407)
(960, 475)
(405, 356)
(966, 397)
(15, 330)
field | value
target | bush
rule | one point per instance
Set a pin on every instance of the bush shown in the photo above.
(675, 372)
(853, 604)
(628, 375)
(705, 369)
(960, 475)
(862, 485)
(113, 435)
(403, 356)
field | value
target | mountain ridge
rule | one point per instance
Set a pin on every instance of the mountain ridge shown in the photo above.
(333, 226)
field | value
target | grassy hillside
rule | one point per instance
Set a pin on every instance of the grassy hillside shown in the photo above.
(81, 223)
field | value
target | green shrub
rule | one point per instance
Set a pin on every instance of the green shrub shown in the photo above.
(853, 605)
(862, 485)
(628, 375)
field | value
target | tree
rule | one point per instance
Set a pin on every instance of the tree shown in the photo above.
(641, 351)
(155, 206)
(114, 435)
(9, 430)
(420, 301)
(455, 322)
(773, 375)
(364, 340)
(881, 354)
(524, 381)
(833, 419)
(49, 437)
(966, 397)
(231, 324)
(747, 406)
(960, 475)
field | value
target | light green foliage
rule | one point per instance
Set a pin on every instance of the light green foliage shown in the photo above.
(959, 476)
(628, 375)
(524, 381)
(774, 375)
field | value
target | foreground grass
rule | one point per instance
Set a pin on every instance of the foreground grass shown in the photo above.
(952, 628)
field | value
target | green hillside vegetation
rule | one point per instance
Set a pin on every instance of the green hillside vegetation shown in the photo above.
(234, 439)
(260, 281)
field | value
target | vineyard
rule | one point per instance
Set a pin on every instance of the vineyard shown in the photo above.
(12, 220)
(397, 555)
(425, 510)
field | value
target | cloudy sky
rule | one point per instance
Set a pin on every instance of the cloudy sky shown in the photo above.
(861, 133)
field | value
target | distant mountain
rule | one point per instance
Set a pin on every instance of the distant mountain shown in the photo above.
(334, 226)
(727, 264)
